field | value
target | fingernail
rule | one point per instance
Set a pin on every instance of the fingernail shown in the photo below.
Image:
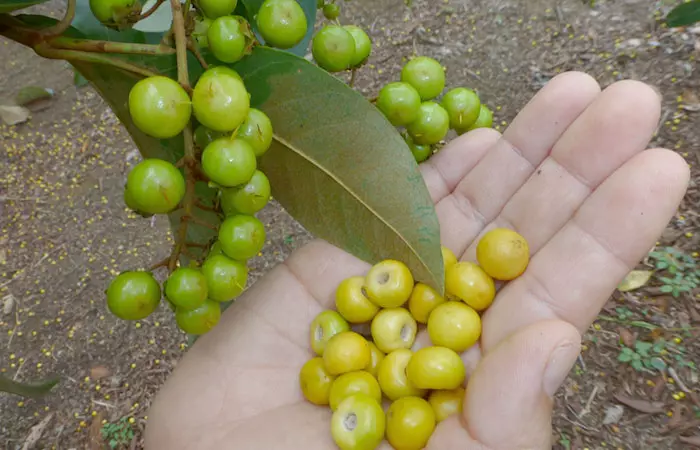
(560, 363)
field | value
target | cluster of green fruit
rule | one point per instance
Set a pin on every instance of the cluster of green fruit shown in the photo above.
(410, 103)
(353, 371)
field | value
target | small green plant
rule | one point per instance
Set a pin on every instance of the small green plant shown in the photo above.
(623, 313)
(644, 356)
(118, 433)
(677, 271)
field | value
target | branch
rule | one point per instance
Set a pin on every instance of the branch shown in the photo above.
(188, 202)
(152, 10)
(110, 47)
(60, 27)
(73, 55)
(180, 46)
(192, 46)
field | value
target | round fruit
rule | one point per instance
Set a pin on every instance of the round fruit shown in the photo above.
(363, 45)
(485, 119)
(215, 249)
(436, 368)
(214, 9)
(352, 303)
(203, 136)
(229, 162)
(201, 27)
(199, 320)
(469, 283)
(227, 39)
(389, 283)
(462, 105)
(376, 357)
(129, 200)
(282, 23)
(331, 11)
(315, 382)
(448, 258)
(156, 186)
(159, 107)
(333, 48)
(423, 301)
(186, 288)
(256, 130)
(399, 102)
(242, 237)
(133, 295)
(446, 402)
(116, 13)
(352, 383)
(391, 375)
(226, 278)
(347, 351)
(410, 421)
(420, 152)
(320, 3)
(431, 126)
(358, 423)
(220, 70)
(503, 254)
(454, 325)
(248, 198)
(325, 325)
(393, 328)
(426, 75)
(220, 100)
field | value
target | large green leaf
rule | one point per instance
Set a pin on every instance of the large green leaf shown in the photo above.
(684, 14)
(29, 390)
(250, 10)
(7, 6)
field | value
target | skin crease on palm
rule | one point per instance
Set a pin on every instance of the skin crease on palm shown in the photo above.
(572, 173)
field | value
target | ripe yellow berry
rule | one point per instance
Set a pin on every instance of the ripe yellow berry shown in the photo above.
(446, 402)
(346, 352)
(422, 302)
(391, 375)
(410, 421)
(359, 423)
(393, 328)
(352, 383)
(503, 254)
(315, 382)
(351, 302)
(389, 283)
(435, 368)
(376, 357)
(469, 283)
(454, 325)
(324, 326)
(448, 258)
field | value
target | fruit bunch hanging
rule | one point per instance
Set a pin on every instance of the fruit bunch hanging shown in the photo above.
(356, 372)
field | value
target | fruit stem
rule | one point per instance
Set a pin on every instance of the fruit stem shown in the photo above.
(161, 263)
(60, 27)
(192, 46)
(180, 47)
(351, 83)
(152, 10)
(204, 207)
(110, 47)
(200, 222)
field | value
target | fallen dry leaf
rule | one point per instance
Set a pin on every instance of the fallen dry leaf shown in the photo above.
(13, 115)
(645, 406)
(692, 440)
(613, 414)
(8, 302)
(634, 280)
(99, 372)
(691, 102)
(627, 337)
(36, 432)
(95, 441)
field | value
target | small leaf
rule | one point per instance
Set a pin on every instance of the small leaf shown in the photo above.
(31, 94)
(666, 288)
(661, 265)
(14, 115)
(645, 406)
(637, 365)
(30, 390)
(657, 363)
(684, 14)
(13, 5)
(159, 21)
(613, 414)
(624, 357)
(634, 280)
(642, 346)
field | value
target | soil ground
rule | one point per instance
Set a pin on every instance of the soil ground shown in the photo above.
(64, 231)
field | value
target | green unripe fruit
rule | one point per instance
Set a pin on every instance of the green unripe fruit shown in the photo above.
(363, 45)
(201, 27)
(241, 237)
(256, 130)
(333, 48)
(199, 320)
(133, 295)
(215, 249)
(426, 75)
(420, 152)
(226, 278)
(228, 38)
(463, 106)
(116, 14)
(203, 136)
(220, 100)
(281, 23)
(248, 198)
(229, 162)
(186, 288)
(220, 70)
(214, 9)
(159, 107)
(485, 119)
(156, 186)
(331, 11)
(399, 102)
(431, 126)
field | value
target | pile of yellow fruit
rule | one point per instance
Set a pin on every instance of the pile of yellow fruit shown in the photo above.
(353, 373)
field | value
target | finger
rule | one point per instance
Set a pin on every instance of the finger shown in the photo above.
(483, 192)
(573, 275)
(615, 127)
(520, 375)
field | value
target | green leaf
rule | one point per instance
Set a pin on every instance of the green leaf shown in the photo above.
(637, 365)
(642, 347)
(30, 390)
(684, 14)
(251, 8)
(666, 288)
(7, 6)
(624, 357)
(657, 363)
(31, 94)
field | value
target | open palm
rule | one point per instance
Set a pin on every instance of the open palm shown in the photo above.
(571, 174)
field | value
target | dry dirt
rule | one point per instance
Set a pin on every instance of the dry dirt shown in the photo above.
(64, 231)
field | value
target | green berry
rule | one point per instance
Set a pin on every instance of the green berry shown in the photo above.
(214, 9)
(228, 38)
(426, 75)
(220, 100)
(331, 11)
(156, 186)
(226, 278)
(248, 198)
(201, 27)
(229, 162)
(420, 152)
(133, 295)
(399, 102)
(485, 119)
(117, 14)
(462, 105)
(281, 23)
(320, 3)
(186, 288)
(241, 237)
(215, 249)
(431, 126)
(199, 320)
(363, 45)
(203, 136)
(218, 70)
(159, 107)
(256, 130)
(333, 48)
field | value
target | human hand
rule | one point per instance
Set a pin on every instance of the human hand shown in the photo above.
(571, 174)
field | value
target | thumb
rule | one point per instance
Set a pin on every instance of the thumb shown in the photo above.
(509, 398)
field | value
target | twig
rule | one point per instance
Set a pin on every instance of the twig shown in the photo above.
(198, 221)
(152, 10)
(204, 207)
(161, 263)
(351, 83)
(36, 432)
(180, 45)
(195, 245)
(73, 55)
(677, 379)
(587, 408)
(192, 46)
(110, 47)
(64, 24)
